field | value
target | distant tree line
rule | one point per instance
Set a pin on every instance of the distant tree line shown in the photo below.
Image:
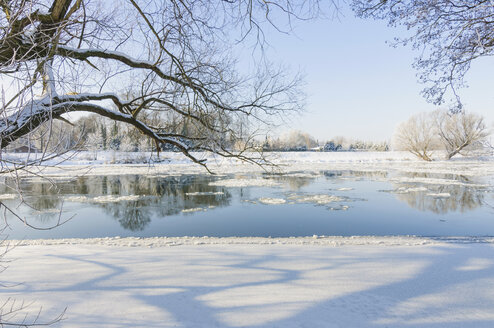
(422, 135)
(302, 141)
(93, 132)
(88, 133)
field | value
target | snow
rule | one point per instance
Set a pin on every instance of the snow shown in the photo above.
(191, 210)
(439, 194)
(102, 199)
(317, 281)
(340, 208)
(254, 182)
(91, 52)
(77, 199)
(436, 181)
(272, 201)
(114, 199)
(8, 196)
(405, 190)
(257, 282)
(296, 164)
(319, 199)
(204, 193)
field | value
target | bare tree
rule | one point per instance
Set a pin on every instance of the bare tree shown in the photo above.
(449, 34)
(440, 129)
(177, 57)
(298, 140)
(61, 56)
(459, 131)
(417, 135)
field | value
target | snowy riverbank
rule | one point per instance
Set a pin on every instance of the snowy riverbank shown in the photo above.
(315, 281)
(118, 163)
(258, 282)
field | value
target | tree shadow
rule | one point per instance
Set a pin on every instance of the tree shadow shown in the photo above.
(269, 290)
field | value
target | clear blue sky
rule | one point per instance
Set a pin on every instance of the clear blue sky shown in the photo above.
(359, 86)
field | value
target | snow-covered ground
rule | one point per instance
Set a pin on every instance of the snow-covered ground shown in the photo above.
(259, 282)
(256, 282)
(116, 163)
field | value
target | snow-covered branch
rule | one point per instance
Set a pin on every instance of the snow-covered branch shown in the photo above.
(173, 76)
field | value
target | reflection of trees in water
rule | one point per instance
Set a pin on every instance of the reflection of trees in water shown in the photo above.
(462, 198)
(42, 202)
(132, 215)
(40, 198)
(450, 176)
(241, 192)
(296, 182)
(161, 196)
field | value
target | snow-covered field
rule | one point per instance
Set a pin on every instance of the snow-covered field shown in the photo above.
(116, 163)
(259, 282)
(256, 282)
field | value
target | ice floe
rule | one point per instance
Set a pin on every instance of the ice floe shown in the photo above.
(319, 199)
(195, 209)
(8, 196)
(406, 190)
(272, 201)
(339, 208)
(102, 199)
(242, 182)
(439, 194)
(204, 193)
(437, 181)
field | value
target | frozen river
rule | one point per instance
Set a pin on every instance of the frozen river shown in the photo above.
(304, 203)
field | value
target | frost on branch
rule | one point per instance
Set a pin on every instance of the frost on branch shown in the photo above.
(176, 64)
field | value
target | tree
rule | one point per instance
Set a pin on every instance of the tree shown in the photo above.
(450, 35)
(332, 146)
(298, 140)
(176, 57)
(417, 135)
(115, 137)
(103, 136)
(459, 131)
(440, 129)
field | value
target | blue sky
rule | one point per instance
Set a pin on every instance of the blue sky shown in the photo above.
(359, 86)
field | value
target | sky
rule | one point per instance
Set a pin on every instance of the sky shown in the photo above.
(359, 86)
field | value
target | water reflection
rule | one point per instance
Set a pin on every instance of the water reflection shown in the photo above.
(464, 196)
(134, 201)
(132, 215)
(295, 180)
(159, 196)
